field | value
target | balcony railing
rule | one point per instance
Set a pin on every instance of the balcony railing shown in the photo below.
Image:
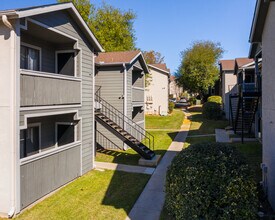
(46, 89)
(137, 95)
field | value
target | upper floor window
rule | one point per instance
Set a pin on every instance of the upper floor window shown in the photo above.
(30, 57)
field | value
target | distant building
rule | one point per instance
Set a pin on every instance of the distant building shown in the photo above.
(174, 89)
(156, 93)
(227, 82)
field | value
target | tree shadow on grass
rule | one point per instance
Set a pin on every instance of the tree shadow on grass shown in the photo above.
(124, 189)
(200, 125)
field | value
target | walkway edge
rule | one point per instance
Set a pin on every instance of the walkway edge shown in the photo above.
(150, 203)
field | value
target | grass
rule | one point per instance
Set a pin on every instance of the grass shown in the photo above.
(196, 140)
(253, 154)
(173, 121)
(163, 139)
(96, 195)
(200, 125)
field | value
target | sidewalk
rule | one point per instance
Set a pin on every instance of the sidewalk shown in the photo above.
(125, 168)
(150, 203)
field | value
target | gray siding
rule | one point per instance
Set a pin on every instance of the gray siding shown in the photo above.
(42, 176)
(129, 92)
(137, 95)
(138, 76)
(64, 23)
(47, 51)
(138, 115)
(41, 90)
(111, 81)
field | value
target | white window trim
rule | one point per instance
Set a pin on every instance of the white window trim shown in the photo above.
(48, 153)
(75, 60)
(65, 123)
(36, 48)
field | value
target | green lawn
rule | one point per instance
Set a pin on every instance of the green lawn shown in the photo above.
(253, 154)
(195, 140)
(96, 195)
(163, 139)
(173, 121)
(201, 125)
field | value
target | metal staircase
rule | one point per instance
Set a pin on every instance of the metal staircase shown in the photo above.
(124, 128)
(243, 108)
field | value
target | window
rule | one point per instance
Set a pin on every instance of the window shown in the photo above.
(65, 63)
(30, 140)
(30, 57)
(65, 133)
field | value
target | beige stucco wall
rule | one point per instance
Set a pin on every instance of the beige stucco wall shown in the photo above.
(268, 102)
(175, 90)
(229, 81)
(158, 91)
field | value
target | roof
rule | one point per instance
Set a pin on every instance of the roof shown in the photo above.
(117, 57)
(227, 64)
(42, 9)
(240, 62)
(257, 26)
(243, 61)
(160, 66)
(120, 58)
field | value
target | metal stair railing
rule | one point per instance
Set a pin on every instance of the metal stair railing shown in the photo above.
(123, 121)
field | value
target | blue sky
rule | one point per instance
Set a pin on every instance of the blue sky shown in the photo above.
(170, 26)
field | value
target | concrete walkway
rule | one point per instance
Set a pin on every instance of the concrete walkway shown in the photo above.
(125, 168)
(222, 136)
(150, 203)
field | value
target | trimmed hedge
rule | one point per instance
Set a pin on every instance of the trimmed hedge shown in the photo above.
(212, 110)
(216, 99)
(171, 107)
(210, 181)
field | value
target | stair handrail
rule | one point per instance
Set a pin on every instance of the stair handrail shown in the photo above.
(114, 111)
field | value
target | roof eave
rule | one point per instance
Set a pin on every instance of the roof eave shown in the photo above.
(12, 14)
(146, 69)
(159, 69)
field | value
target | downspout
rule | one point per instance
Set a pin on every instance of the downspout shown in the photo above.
(12, 209)
(125, 89)
(125, 98)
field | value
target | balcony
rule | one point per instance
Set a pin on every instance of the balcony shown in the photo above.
(47, 89)
(137, 96)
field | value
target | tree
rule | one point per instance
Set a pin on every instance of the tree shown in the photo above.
(152, 57)
(198, 69)
(84, 7)
(112, 27)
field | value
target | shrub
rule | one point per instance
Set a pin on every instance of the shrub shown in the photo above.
(210, 181)
(216, 99)
(212, 110)
(171, 107)
(192, 101)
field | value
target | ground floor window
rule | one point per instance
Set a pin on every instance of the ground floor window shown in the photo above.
(30, 140)
(65, 133)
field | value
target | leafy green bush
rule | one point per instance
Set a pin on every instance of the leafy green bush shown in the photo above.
(216, 99)
(192, 101)
(210, 181)
(171, 107)
(212, 110)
